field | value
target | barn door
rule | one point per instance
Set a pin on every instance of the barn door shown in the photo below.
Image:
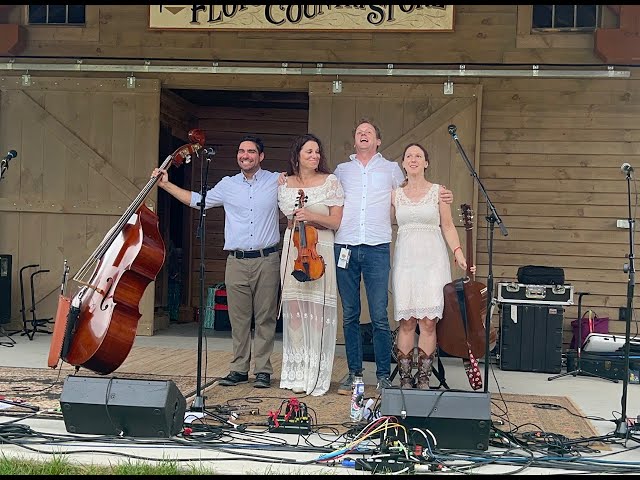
(86, 148)
(405, 113)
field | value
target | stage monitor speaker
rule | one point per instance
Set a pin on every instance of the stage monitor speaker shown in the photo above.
(5, 289)
(458, 420)
(115, 406)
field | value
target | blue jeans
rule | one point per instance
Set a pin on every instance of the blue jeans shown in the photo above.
(373, 263)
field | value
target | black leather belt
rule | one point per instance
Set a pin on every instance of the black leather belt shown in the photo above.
(253, 253)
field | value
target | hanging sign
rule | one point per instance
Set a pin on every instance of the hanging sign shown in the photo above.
(384, 18)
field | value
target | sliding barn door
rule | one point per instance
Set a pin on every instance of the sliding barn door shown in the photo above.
(405, 113)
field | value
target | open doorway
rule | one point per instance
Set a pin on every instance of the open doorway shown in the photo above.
(225, 116)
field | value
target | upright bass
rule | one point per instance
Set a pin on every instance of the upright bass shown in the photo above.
(96, 328)
(462, 326)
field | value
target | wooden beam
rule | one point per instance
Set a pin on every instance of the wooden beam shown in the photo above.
(12, 39)
(620, 45)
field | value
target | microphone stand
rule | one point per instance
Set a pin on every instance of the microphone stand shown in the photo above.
(4, 166)
(198, 402)
(622, 428)
(492, 218)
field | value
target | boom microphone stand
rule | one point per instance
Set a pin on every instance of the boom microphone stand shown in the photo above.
(492, 218)
(578, 370)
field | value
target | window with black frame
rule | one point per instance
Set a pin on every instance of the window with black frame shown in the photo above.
(56, 15)
(567, 18)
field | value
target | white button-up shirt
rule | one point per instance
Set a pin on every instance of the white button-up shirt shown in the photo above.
(250, 208)
(366, 218)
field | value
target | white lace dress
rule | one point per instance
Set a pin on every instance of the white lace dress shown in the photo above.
(309, 309)
(421, 260)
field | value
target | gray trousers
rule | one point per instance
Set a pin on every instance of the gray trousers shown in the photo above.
(252, 291)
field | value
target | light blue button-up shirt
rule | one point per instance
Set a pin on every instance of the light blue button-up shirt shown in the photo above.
(250, 208)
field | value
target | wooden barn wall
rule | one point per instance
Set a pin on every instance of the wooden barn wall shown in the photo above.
(551, 153)
(85, 150)
(482, 34)
(550, 149)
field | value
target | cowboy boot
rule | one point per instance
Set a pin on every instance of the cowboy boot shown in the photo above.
(405, 364)
(425, 366)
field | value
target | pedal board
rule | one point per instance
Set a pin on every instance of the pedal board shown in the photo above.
(298, 425)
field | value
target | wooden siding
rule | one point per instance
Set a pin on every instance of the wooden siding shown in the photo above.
(85, 150)
(549, 150)
(483, 34)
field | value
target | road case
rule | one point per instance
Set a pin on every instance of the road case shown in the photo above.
(531, 337)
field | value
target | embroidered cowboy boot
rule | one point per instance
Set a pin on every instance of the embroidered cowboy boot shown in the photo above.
(405, 364)
(425, 367)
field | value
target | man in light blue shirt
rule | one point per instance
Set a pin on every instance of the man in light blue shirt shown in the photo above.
(252, 275)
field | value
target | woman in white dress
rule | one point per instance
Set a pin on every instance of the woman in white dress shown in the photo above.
(420, 265)
(309, 308)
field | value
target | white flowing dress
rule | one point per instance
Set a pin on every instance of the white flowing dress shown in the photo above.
(309, 309)
(421, 260)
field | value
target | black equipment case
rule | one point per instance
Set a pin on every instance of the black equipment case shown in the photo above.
(608, 365)
(535, 294)
(539, 275)
(531, 337)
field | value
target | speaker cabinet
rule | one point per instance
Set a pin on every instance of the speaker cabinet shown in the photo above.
(111, 406)
(458, 420)
(5, 289)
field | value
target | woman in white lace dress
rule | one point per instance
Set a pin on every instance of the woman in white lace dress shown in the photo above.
(420, 264)
(309, 308)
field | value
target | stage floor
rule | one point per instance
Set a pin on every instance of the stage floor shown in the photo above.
(173, 353)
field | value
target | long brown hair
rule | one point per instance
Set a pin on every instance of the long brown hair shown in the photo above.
(294, 154)
(426, 158)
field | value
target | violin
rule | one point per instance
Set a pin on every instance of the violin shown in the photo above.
(308, 265)
(96, 328)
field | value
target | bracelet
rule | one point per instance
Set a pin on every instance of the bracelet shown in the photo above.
(457, 248)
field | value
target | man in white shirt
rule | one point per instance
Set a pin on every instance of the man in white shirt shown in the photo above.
(252, 275)
(362, 249)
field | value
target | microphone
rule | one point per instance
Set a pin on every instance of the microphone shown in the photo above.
(452, 130)
(4, 162)
(10, 155)
(626, 168)
(209, 151)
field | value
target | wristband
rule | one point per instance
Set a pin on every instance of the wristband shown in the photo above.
(457, 248)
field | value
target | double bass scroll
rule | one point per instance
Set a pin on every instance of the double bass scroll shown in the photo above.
(96, 328)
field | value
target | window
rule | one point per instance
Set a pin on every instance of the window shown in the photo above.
(56, 14)
(568, 18)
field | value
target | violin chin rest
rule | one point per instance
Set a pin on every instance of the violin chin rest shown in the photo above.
(300, 276)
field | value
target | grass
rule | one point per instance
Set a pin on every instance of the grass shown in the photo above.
(60, 465)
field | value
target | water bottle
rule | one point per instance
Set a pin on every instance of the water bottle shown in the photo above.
(357, 399)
